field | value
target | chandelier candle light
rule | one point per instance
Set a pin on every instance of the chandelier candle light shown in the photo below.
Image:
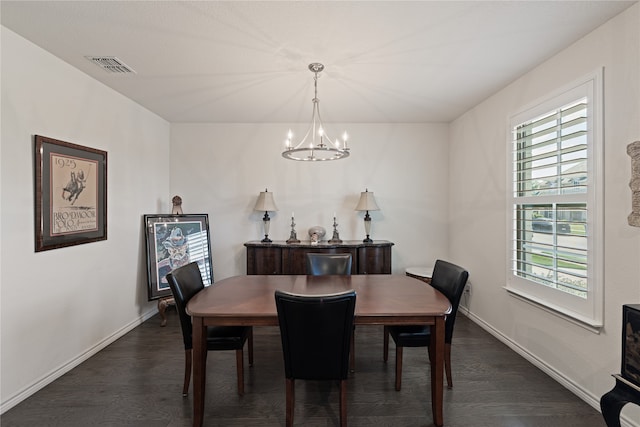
(367, 203)
(265, 204)
(316, 146)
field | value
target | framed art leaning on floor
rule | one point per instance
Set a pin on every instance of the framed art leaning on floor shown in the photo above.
(173, 241)
(70, 194)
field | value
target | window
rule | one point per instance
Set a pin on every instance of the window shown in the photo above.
(555, 202)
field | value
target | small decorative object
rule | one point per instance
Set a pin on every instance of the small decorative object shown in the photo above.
(633, 150)
(173, 241)
(316, 234)
(367, 203)
(177, 205)
(336, 236)
(293, 238)
(265, 203)
(71, 194)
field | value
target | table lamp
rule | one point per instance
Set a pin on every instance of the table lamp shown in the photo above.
(265, 203)
(367, 203)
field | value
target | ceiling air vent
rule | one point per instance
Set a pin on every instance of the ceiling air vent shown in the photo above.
(111, 64)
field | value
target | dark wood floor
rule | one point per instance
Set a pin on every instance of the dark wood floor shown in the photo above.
(137, 381)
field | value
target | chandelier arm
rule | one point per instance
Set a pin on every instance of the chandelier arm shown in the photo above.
(324, 128)
(310, 130)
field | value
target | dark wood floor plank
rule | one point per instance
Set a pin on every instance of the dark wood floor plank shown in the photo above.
(137, 381)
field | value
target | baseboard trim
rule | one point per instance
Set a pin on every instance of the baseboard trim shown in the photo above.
(589, 398)
(63, 369)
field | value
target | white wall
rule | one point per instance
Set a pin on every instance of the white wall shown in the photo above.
(219, 169)
(60, 306)
(581, 360)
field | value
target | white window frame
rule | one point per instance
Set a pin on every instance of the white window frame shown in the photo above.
(585, 311)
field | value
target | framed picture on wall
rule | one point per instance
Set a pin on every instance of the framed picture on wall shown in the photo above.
(173, 241)
(631, 343)
(70, 194)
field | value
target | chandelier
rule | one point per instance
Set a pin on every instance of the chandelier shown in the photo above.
(316, 145)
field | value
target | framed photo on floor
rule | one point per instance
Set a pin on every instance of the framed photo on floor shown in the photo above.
(70, 194)
(173, 241)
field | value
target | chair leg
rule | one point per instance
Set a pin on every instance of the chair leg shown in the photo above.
(447, 364)
(385, 347)
(240, 371)
(188, 354)
(251, 347)
(343, 403)
(398, 367)
(291, 392)
(352, 356)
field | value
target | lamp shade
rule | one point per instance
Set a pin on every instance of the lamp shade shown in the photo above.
(367, 202)
(265, 202)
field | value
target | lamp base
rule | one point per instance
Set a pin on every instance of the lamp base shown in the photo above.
(266, 239)
(367, 228)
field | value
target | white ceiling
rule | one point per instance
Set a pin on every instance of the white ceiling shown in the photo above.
(246, 61)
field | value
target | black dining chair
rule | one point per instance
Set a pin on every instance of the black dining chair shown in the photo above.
(316, 335)
(319, 264)
(449, 279)
(186, 282)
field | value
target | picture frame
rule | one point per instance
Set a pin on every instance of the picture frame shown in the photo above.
(171, 242)
(70, 194)
(630, 369)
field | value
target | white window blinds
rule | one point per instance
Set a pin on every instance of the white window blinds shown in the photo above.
(554, 184)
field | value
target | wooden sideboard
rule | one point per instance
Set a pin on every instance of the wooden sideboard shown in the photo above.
(283, 258)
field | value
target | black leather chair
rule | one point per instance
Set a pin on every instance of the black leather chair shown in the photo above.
(449, 279)
(319, 264)
(316, 334)
(185, 282)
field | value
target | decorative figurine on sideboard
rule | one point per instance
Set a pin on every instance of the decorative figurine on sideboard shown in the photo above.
(293, 238)
(336, 236)
(316, 233)
(177, 205)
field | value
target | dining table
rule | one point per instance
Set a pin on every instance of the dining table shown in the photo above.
(381, 299)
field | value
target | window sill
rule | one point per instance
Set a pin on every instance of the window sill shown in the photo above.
(588, 324)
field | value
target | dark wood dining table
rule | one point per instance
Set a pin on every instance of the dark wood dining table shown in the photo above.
(381, 299)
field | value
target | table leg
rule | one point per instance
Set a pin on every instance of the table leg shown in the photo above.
(437, 368)
(199, 369)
